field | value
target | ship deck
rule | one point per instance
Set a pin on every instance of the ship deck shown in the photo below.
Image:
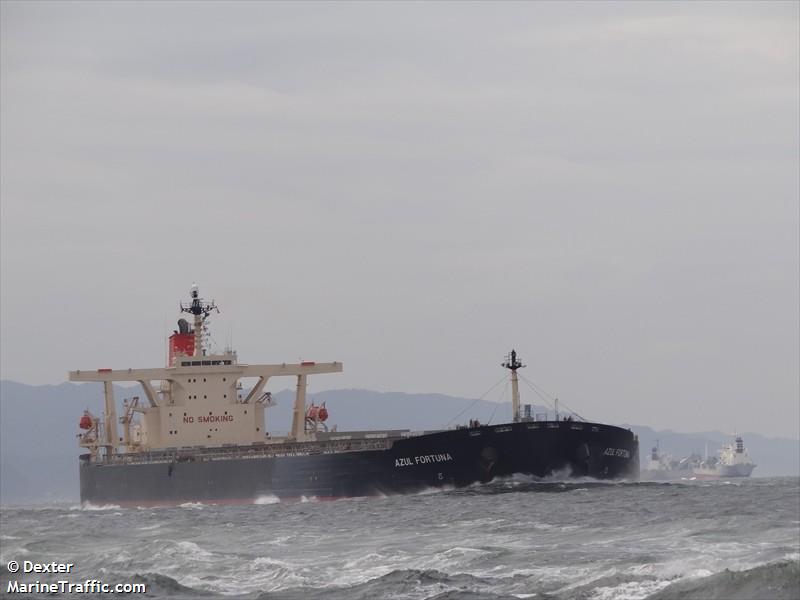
(329, 443)
(332, 442)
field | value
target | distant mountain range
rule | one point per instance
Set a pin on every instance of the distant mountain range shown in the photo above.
(39, 451)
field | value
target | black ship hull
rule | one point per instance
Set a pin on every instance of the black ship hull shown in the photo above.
(399, 465)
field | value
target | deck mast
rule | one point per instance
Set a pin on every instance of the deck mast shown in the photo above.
(512, 364)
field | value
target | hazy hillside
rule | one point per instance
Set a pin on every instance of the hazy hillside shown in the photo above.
(38, 425)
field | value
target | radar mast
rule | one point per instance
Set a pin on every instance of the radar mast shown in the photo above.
(200, 309)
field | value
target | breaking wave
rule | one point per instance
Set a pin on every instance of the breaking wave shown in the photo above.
(776, 581)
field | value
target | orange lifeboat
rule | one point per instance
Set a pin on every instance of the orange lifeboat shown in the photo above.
(322, 415)
(312, 412)
(85, 422)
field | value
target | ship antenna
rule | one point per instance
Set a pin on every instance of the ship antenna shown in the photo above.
(512, 363)
(200, 309)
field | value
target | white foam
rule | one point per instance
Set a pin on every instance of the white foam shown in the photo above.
(366, 560)
(559, 575)
(280, 540)
(453, 558)
(678, 569)
(430, 490)
(193, 550)
(195, 505)
(631, 590)
(270, 574)
(186, 549)
(268, 561)
(90, 506)
(267, 500)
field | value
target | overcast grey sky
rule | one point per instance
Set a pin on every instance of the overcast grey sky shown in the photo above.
(413, 189)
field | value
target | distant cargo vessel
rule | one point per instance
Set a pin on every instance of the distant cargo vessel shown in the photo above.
(732, 461)
(199, 437)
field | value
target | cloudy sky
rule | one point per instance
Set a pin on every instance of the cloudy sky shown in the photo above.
(414, 189)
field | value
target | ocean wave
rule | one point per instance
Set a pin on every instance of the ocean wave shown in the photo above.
(159, 585)
(630, 590)
(399, 583)
(266, 573)
(776, 581)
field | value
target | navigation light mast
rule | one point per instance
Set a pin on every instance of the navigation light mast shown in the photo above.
(512, 363)
(200, 309)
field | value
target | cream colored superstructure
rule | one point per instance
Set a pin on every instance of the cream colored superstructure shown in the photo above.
(197, 402)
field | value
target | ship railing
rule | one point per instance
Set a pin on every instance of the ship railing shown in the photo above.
(247, 452)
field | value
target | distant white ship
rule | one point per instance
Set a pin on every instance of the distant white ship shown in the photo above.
(733, 461)
(663, 467)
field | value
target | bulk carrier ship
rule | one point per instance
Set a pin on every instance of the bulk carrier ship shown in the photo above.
(198, 437)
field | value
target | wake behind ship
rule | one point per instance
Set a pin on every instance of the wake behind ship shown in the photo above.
(197, 437)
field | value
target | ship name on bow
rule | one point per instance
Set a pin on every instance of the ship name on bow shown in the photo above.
(617, 452)
(422, 460)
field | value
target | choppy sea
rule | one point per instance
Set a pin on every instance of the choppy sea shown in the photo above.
(517, 538)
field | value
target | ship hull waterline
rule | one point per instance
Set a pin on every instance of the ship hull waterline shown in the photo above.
(446, 459)
(725, 472)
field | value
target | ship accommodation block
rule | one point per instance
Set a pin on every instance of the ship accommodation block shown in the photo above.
(198, 402)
